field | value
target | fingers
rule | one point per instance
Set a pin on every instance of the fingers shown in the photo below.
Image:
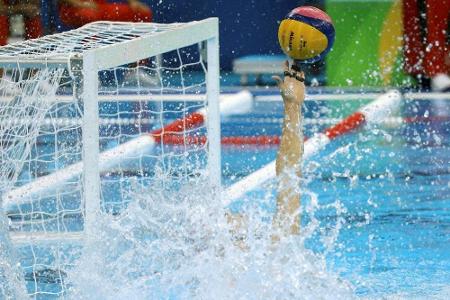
(295, 68)
(278, 80)
(297, 73)
(290, 71)
(286, 66)
(302, 75)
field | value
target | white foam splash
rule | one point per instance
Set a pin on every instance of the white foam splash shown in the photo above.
(178, 245)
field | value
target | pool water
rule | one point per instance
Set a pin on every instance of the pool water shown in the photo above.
(375, 210)
(392, 187)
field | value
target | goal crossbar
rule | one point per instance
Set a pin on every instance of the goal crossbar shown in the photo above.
(112, 43)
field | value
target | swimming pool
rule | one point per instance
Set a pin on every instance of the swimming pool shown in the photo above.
(376, 212)
(393, 187)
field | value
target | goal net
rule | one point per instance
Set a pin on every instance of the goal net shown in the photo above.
(88, 117)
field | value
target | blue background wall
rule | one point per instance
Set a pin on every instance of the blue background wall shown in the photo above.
(246, 27)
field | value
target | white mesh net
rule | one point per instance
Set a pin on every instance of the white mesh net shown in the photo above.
(93, 36)
(26, 97)
(41, 136)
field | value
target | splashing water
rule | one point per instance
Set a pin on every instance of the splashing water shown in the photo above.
(179, 245)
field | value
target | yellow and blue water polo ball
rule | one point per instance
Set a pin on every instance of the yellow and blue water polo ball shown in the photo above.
(306, 34)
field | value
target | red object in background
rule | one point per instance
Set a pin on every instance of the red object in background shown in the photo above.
(190, 121)
(426, 24)
(73, 16)
(348, 124)
(33, 27)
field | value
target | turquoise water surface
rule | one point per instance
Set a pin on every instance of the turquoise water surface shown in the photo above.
(376, 202)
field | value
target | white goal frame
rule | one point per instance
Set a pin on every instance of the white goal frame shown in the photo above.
(103, 56)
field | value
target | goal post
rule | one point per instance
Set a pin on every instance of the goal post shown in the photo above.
(84, 66)
(91, 138)
(213, 90)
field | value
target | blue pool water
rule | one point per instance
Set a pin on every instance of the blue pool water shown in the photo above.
(395, 229)
(377, 201)
(393, 186)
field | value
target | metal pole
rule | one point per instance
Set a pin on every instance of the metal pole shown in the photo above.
(213, 114)
(90, 152)
(10, 62)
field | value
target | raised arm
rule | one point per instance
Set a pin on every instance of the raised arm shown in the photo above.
(287, 219)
